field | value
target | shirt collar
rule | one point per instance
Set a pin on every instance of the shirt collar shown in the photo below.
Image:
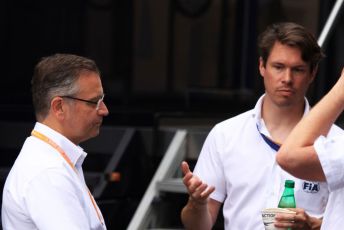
(257, 115)
(74, 152)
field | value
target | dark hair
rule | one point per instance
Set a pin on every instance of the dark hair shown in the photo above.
(56, 75)
(294, 35)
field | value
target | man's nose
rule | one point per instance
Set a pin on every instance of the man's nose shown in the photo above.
(103, 110)
(288, 76)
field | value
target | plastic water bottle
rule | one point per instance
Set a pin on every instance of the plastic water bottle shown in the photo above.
(288, 199)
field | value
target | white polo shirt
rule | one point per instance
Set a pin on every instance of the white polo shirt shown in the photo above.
(242, 167)
(331, 155)
(42, 191)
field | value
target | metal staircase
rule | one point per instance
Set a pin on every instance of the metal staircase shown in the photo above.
(185, 144)
(162, 181)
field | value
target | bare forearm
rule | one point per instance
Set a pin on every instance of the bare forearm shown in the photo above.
(196, 216)
(319, 119)
(317, 122)
(297, 154)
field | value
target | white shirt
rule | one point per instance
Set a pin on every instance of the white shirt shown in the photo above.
(331, 155)
(42, 191)
(242, 167)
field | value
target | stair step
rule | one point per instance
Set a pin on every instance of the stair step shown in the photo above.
(171, 185)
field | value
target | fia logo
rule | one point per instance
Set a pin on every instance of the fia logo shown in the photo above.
(311, 187)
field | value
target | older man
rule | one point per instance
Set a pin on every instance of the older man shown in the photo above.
(45, 188)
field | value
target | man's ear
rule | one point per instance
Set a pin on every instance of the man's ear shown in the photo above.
(261, 67)
(57, 107)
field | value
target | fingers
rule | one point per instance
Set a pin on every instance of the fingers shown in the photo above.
(285, 217)
(208, 191)
(197, 190)
(185, 168)
(187, 174)
(294, 221)
(201, 194)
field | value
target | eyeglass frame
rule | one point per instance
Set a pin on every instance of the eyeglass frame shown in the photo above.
(100, 100)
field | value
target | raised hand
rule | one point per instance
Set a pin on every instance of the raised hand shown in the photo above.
(198, 191)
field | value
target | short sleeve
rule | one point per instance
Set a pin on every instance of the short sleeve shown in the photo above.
(209, 167)
(331, 155)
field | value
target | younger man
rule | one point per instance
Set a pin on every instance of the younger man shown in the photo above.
(237, 165)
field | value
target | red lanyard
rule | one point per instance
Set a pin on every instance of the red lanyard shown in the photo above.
(64, 155)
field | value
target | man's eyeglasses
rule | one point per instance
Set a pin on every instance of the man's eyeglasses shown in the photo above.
(97, 103)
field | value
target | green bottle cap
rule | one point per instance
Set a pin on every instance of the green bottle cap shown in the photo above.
(289, 184)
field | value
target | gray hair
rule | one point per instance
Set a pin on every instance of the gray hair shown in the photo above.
(57, 75)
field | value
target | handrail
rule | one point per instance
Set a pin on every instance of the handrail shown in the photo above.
(330, 22)
(172, 158)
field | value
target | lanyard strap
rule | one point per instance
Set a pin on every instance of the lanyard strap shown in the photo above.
(64, 155)
(275, 146)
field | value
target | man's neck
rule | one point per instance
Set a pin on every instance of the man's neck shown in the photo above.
(280, 120)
